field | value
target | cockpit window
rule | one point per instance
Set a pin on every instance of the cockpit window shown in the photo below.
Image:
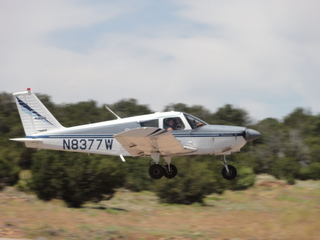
(193, 121)
(150, 123)
(174, 123)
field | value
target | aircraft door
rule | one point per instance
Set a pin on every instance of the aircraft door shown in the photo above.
(180, 130)
(201, 136)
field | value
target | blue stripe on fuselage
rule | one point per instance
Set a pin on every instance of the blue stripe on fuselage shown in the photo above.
(71, 136)
(209, 135)
(179, 135)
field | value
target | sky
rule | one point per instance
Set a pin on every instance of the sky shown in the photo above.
(261, 56)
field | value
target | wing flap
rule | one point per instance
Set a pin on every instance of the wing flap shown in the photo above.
(144, 141)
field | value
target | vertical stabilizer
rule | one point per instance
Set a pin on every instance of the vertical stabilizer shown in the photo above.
(35, 117)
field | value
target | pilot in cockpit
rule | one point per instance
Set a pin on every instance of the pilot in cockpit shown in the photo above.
(170, 125)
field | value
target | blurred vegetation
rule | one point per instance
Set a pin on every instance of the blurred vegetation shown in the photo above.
(75, 178)
(288, 149)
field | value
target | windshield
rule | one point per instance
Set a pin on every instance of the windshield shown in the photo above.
(193, 121)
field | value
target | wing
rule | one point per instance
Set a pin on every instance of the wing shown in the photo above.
(144, 141)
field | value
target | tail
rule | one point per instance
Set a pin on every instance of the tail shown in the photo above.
(35, 117)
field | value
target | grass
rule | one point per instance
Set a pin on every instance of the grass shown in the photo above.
(277, 212)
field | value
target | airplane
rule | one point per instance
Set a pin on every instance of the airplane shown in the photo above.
(158, 135)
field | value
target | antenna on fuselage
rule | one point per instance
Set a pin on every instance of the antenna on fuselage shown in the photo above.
(111, 111)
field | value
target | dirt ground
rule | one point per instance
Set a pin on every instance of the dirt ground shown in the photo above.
(269, 210)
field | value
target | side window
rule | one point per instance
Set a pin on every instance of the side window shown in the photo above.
(150, 123)
(173, 124)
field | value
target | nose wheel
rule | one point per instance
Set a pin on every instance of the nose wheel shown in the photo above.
(229, 172)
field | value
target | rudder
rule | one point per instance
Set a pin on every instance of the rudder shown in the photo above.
(35, 117)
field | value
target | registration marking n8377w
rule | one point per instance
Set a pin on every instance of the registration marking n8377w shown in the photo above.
(87, 144)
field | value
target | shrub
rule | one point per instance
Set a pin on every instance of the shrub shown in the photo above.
(286, 167)
(137, 175)
(310, 172)
(23, 185)
(194, 181)
(9, 173)
(75, 178)
(314, 171)
(244, 179)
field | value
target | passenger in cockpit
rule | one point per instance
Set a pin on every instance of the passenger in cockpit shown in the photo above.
(179, 124)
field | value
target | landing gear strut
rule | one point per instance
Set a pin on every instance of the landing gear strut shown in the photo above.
(156, 171)
(229, 172)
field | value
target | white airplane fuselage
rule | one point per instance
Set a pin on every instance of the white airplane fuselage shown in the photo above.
(98, 137)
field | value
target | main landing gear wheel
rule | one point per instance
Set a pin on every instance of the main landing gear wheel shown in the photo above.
(156, 171)
(172, 173)
(231, 174)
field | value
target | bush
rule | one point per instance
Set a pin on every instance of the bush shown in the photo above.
(23, 185)
(244, 179)
(310, 172)
(194, 181)
(290, 180)
(304, 173)
(286, 167)
(75, 178)
(314, 171)
(9, 173)
(137, 174)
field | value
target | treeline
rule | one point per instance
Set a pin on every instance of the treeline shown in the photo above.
(288, 149)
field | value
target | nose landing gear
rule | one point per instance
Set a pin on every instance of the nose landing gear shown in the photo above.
(229, 172)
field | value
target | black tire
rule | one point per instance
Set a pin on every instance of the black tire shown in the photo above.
(173, 171)
(156, 171)
(232, 172)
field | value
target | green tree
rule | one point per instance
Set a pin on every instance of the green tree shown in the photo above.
(137, 175)
(80, 113)
(311, 171)
(300, 119)
(287, 168)
(196, 110)
(129, 108)
(75, 178)
(9, 173)
(245, 179)
(228, 115)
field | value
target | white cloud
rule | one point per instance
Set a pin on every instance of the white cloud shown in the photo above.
(263, 56)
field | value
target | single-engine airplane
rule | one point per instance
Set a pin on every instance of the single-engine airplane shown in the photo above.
(159, 135)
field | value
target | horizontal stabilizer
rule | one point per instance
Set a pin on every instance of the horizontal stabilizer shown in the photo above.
(26, 140)
(144, 141)
(30, 142)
